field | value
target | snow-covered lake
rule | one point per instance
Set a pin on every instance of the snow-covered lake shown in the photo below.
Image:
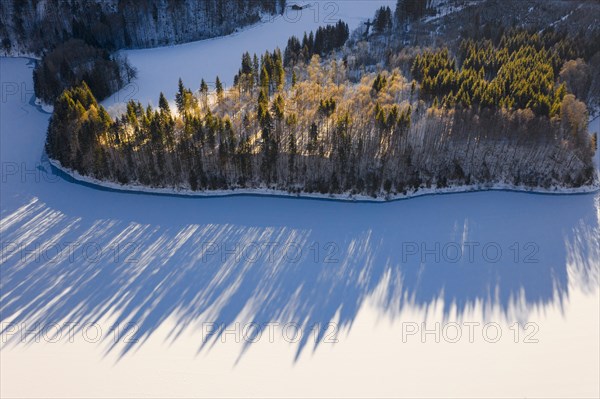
(422, 295)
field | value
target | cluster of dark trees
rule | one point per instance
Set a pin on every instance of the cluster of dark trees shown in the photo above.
(73, 62)
(320, 137)
(493, 111)
(520, 72)
(406, 11)
(75, 38)
(383, 21)
(35, 26)
(76, 125)
(268, 73)
(410, 10)
(327, 39)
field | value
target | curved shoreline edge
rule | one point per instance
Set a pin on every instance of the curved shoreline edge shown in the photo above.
(74, 177)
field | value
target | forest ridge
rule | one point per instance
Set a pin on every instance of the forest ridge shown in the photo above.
(316, 118)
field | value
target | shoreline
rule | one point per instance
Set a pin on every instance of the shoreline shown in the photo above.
(74, 177)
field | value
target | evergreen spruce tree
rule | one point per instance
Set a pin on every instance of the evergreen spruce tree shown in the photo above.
(278, 72)
(246, 64)
(204, 93)
(163, 104)
(256, 69)
(264, 80)
(383, 20)
(219, 89)
(180, 97)
(203, 87)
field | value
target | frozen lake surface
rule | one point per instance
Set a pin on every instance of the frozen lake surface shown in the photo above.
(121, 294)
(159, 69)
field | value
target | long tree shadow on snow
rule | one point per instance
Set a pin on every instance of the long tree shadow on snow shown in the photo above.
(200, 261)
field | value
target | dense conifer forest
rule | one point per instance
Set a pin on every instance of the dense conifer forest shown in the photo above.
(316, 118)
(76, 40)
(73, 62)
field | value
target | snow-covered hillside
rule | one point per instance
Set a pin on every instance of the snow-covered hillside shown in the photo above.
(33, 27)
(160, 69)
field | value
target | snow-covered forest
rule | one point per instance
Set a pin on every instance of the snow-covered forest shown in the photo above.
(494, 113)
(75, 39)
(75, 61)
(35, 26)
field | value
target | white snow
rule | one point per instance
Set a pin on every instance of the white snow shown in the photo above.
(564, 17)
(371, 268)
(159, 69)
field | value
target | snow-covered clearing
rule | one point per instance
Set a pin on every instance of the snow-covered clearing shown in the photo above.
(157, 274)
(159, 69)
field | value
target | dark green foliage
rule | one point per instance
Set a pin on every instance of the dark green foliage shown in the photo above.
(327, 107)
(75, 61)
(380, 83)
(410, 10)
(75, 127)
(320, 140)
(278, 107)
(270, 72)
(293, 51)
(518, 73)
(163, 104)
(326, 40)
(120, 24)
(185, 99)
(219, 89)
(383, 20)
(203, 87)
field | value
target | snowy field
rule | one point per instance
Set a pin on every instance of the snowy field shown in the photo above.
(118, 294)
(159, 69)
